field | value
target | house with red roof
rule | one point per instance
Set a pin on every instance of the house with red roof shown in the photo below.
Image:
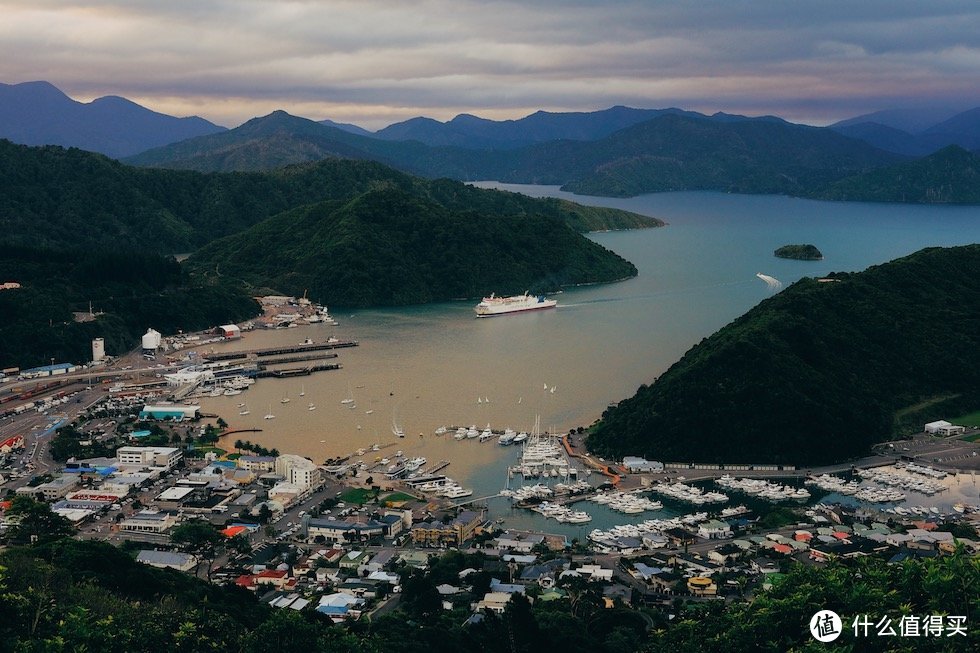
(12, 443)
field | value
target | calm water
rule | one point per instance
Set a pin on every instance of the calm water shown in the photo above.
(427, 366)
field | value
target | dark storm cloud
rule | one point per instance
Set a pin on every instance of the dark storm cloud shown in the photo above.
(375, 62)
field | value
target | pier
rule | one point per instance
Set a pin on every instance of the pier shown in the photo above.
(296, 371)
(285, 360)
(278, 351)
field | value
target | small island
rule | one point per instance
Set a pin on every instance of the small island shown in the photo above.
(799, 252)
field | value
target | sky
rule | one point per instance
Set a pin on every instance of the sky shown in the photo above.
(373, 63)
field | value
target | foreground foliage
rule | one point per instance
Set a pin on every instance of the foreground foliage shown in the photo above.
(73, 596)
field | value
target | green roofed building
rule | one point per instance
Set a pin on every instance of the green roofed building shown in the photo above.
(172, 412)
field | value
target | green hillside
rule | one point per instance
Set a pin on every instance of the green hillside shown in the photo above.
(57, 198)
(819, 372)
(63, 213)
(389, 246)
(129, 290)
(949, 176)
(683, 153)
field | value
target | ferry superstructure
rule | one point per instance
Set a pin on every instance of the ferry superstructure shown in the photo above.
(493, 305)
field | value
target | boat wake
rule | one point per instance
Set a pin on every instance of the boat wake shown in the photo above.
(655, 295)
(773, 283)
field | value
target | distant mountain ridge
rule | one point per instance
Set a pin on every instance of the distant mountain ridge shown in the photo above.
(38, 113)
(261, 144)
(472, 132)
(915, 132)
(669, 152)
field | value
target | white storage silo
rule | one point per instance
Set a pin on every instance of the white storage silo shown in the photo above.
(98, 349)
(151, 340)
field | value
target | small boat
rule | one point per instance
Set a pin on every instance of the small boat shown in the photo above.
(479, 400)
(552, 391)
(284, 400)
(269, 415)
(244, 410)
(441, 430)
(368, 412)
(302, 392)
(311, 407)
(231, 392)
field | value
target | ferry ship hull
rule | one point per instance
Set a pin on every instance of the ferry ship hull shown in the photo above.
(493, 306)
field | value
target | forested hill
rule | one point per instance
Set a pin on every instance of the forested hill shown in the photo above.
(949, 176)
(390, 247)
(57, 198)
(818, 373)
(71, 221)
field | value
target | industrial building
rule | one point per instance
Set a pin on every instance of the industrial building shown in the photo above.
(942, 427)
(231, 331)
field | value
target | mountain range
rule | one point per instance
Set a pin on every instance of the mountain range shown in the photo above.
(620, 151)
(37, 113)
(915, 132)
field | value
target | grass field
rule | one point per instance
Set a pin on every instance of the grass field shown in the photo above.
(397, 497)
(357, 495)
(971, 419)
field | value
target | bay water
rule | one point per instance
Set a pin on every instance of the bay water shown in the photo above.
(428, 366)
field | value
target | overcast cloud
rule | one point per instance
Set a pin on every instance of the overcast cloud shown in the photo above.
(376, 62)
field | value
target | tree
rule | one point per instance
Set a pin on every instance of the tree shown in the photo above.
(201, 539)
(419, 594)
(34, 523)
(240, 544)
(285, 631)
(265, 513)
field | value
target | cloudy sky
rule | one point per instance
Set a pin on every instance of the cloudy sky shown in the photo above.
(376, 62)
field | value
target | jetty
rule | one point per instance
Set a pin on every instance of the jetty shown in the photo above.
(278, 351)
(296, 371)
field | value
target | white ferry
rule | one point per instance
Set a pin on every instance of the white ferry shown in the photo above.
(494, 305)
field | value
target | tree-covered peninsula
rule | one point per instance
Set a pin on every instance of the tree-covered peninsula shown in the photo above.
(390, 247)
(799, 252)
(79, 228)
(818, 373)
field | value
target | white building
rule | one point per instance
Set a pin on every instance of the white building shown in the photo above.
(942, 427)
(186, 376)
(635, 464)
(230, 331)
(147, 521)
(166, 457)
(256, 463)
(298, 470)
